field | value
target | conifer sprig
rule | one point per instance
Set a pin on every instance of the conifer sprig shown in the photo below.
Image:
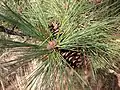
(82, 29)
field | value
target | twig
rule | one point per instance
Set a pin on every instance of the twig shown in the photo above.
(2, 85)
(11, 32)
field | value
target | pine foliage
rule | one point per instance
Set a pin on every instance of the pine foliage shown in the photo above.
(66, 31)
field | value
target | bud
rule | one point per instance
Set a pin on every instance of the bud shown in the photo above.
(98, 1)
(95, 1)
(51, 44)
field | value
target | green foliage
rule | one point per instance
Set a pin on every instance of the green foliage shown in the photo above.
(84, 28)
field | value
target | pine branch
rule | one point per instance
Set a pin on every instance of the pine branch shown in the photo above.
(11, 32)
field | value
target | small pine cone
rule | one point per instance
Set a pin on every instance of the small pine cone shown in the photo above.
(75, 59)
(54, 28)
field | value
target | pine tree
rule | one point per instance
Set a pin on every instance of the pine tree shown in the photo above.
(73, 41)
